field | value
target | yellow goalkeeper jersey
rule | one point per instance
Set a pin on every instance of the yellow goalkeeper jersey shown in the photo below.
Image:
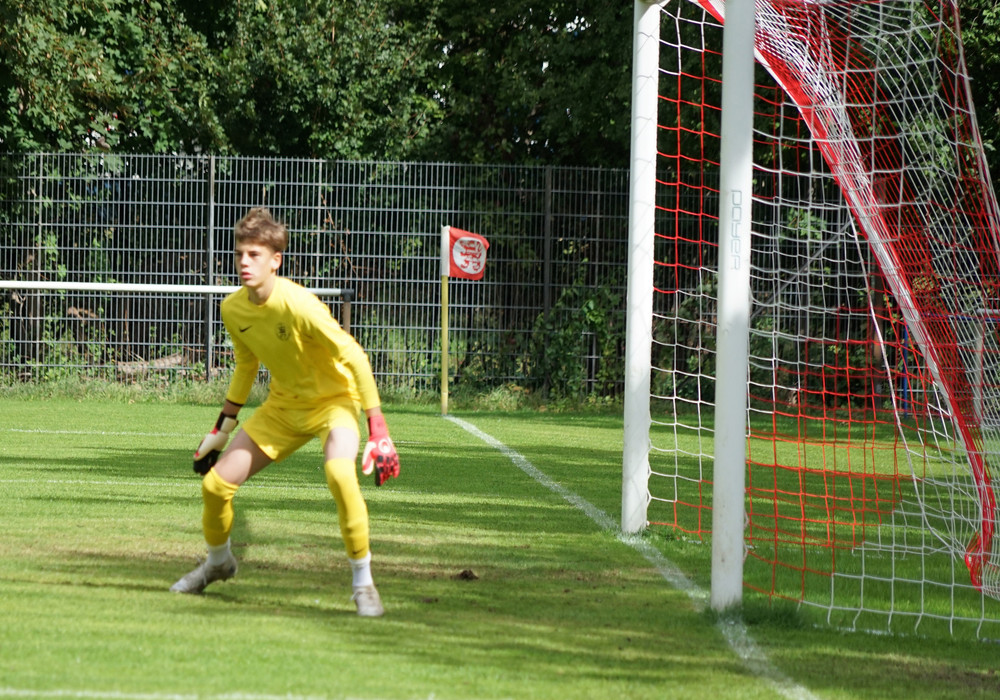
(311, 359)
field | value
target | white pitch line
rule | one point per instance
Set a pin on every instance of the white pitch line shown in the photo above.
(735, 633)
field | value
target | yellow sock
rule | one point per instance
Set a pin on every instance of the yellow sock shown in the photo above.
(217, 517)
(342, 478)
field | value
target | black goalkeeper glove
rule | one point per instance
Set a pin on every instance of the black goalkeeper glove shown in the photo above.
(211, 447)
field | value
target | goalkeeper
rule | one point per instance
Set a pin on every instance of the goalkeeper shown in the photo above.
(320, 381)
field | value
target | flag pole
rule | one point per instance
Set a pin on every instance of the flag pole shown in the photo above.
(445, 235)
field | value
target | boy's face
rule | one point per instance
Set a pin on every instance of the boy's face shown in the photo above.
(256, 264)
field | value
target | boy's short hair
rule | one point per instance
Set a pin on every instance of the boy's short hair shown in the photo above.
(258, 226)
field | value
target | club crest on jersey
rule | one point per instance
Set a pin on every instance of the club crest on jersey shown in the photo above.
(281, 330)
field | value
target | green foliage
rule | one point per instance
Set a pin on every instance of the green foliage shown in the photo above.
(539, 83)
(981, 36)
(577, 346)
(335, 80)
(439, 80)
(109, 76)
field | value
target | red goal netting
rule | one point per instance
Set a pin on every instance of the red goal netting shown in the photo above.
(874, 394)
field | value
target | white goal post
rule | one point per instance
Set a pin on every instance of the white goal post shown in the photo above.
(734, 298)
(735, 247)
(639, 292)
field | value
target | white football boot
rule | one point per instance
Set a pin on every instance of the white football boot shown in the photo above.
(368, 601)
(195, 581)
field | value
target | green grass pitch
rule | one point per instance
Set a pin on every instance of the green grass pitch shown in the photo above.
(495, 584)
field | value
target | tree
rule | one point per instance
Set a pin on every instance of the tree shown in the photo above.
(524, 83)
(981, 36)
(112, 75)
(304, 78)
(446, 80)
(321, 79)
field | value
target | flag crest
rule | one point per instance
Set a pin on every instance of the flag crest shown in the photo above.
(466, 254)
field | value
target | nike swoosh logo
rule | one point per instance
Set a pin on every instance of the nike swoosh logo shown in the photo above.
(244, 330)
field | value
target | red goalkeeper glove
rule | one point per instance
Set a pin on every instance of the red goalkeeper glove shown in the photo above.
(380, 454)
(208, 451)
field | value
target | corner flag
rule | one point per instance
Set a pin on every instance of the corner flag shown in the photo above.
(463, 254)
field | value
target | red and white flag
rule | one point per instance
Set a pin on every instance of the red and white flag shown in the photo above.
(463, 253)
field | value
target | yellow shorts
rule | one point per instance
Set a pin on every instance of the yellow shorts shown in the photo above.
(279, 431)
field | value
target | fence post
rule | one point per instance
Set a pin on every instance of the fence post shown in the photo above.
(209, 260)
(547, 245)
(345, 309)
(33, 308)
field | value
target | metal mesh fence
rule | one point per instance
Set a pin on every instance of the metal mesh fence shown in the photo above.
(549, 313)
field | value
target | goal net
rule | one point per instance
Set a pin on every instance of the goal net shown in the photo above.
(874, 394)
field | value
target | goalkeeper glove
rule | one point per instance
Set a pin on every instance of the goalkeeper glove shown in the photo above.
(208, 451)
(380, 454)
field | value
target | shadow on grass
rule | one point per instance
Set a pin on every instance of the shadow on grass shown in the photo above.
(534, 621)
(125, 463)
